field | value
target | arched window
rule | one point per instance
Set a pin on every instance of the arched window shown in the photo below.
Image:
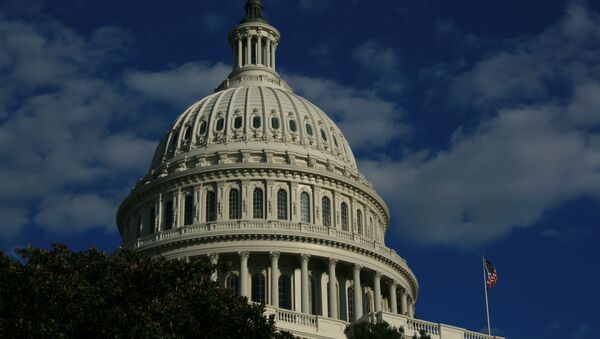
(256, 121)
(233, 283)
(350, 299)
(202, 128)
(258, 288)
(344, 212)
(237, 122)
(326, 207)
(151, 220)
(369, 303)
(188, 217)
(169, 215)
(359, 221)
(335, 142)
(220, 124)
(282, 204)
(235, 212)
(258, 205)
(293, 126)
(187, 133)
(323, 135)
(275, 122)
(211, 206)
(285, 291)
(174, 139)
(305, 207)
(309, 129)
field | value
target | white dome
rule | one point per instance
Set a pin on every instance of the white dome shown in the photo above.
(257, 120)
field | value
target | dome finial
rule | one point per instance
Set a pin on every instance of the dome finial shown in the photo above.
(254, 12)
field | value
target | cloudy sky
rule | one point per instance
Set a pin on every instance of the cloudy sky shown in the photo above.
(477, 121)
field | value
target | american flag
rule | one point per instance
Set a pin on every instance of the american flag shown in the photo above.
(492, 276)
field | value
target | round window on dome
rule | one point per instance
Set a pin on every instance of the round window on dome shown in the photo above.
(293, 126)
(275, 122)
(220, 124)
(323, 135)
(256, 122)
(237, 122)
(202, 128)
(309, 130)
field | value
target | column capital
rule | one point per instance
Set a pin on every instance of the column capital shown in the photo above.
(244, 254)
(213, 256)
(332, 261)
(393, 283)
(274, 255)
(357, 267)
(304, 256)
(378, 275)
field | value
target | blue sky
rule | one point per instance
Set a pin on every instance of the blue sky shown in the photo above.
(477, 121)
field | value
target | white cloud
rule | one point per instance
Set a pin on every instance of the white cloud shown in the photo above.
(541, 147)
(180, 86)
(366, 119)
(73, 213)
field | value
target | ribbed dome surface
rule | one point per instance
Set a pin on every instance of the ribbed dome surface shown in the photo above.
(255, 118)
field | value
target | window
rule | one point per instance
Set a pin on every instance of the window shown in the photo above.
(211, 206)
(233, 283)
(323, 135)
(188, 217)
(202, 128)
(282, 204)
(138, 225)
(258, 288)
(370, 228)
(312, 297)
(304, 207)
(186, 134)
(258, 205)
(359, 222)
(169, 215)
(275, 122)
(326, 207)
(151, 220)
(285, 292)
(220, 124)
(293, 126)
(237, 122)
(344, 213)
(309, 130)
(335, 142)
(235, 212)
(350, 304)
(369, 306)
(174, 139)
(256, 122)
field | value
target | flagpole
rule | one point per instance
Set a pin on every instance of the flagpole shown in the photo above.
(487, 306)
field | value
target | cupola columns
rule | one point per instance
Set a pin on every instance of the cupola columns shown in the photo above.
(254, 47)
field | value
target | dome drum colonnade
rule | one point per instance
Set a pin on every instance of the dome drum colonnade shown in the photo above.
(259, 177)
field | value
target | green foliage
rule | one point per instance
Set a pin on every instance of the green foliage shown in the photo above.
(367, 330)
(422, 335)
(58, 293)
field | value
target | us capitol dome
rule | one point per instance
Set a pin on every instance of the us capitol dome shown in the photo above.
(259, 177)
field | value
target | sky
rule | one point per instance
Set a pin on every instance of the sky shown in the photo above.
(477, 121)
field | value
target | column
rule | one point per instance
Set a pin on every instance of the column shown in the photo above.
(304, 277)
(393, 302)
(160, 216)
(244, 273)
(248, 48)
(358, 308)
(275, 279)
(377, 285)
(180, 212)
(273, 59)
(333, 300)
(259, 49)
(403, 303)
(411, 309)
(239, 62)
(214, 261)
(268, 51)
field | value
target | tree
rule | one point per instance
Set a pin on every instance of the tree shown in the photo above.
(422, 335)
(367, 330)
(58, 293)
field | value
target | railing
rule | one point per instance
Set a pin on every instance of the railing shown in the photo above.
(295, 318)
(475, 335)
(300, 228)
(421, 325)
